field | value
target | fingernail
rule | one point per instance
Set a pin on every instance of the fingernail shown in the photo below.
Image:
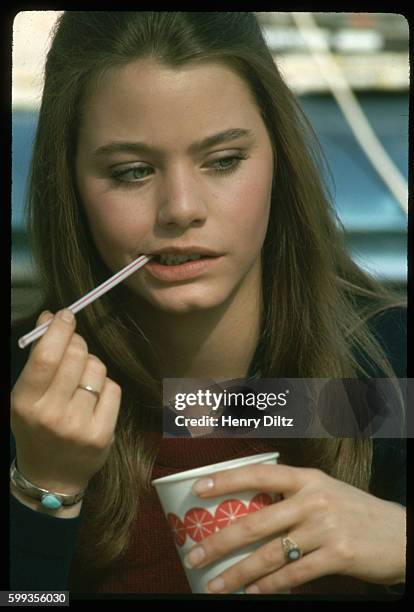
(194, 557)
(216, 585)
(203, 485)
(66, 315)
(45, 315)
(252, 589)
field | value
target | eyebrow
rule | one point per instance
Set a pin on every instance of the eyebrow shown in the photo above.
(197, 147)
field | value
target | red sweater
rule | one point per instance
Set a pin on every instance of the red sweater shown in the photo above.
(152, 564)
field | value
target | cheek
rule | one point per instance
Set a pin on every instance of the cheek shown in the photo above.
(251, 207)
(116, 228)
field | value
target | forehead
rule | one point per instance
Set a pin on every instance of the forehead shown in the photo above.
(155, 100)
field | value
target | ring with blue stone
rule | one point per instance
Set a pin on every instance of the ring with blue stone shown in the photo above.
(291, 550)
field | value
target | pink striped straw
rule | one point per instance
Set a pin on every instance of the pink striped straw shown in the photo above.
(93, 295)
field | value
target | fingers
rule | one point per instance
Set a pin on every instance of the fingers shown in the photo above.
(106, 411)
(291, 575)
(266, 570)
(70, 371)
(78, 367)
(272, 520)
(268, 559)
(63, 433)
(94, 376)
(47, 352)
(268, 478)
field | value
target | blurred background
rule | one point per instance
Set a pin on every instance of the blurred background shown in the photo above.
(350, 73)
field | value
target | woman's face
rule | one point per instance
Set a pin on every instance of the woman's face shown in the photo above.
(146, 185)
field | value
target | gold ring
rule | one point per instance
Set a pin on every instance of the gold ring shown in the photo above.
(90, 389)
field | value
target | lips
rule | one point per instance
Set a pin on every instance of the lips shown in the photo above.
(174, 259)
(188, 250)
(181, 271)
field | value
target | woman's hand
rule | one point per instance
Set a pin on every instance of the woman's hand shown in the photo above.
(339, 528)
(63, 433)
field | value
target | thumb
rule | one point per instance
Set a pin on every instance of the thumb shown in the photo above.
(43, 317)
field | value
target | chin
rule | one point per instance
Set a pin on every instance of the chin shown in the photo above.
(183, 307)
(188, 302)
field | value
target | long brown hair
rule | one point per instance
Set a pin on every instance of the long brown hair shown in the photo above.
(316, 300)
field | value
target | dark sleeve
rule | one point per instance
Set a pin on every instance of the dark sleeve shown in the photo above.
(41, 546)
(389, 469)
(390, 329)
(41, 549)
(388, 479)
(389, 464)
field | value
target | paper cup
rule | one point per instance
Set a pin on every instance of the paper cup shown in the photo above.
(192, 518)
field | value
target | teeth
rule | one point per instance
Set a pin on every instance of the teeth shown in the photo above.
(170, 260)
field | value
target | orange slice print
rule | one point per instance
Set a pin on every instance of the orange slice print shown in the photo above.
(259, 501)
(228, 512)
(177, 528)
(199, 523)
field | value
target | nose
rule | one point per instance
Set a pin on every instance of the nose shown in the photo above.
(181, 202)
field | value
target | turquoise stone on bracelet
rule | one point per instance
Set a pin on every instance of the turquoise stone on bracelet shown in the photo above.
(51, 502)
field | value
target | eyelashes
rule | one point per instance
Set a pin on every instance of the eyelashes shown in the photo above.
(130, 177)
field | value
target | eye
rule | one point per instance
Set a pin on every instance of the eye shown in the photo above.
(228, 164)
(132, 174)
(127, 177)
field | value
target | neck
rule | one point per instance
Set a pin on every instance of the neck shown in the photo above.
(216, 343)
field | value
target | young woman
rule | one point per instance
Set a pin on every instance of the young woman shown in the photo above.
(172, 133)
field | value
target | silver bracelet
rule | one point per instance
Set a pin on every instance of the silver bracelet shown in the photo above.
(48, 499)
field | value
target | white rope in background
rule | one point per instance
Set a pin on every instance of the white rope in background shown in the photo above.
(347, 101)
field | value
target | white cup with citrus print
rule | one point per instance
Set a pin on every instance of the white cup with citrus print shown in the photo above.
(191, 518)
